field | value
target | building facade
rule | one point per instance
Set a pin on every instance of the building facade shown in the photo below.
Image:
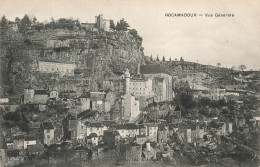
(162, 82)
(52, 67)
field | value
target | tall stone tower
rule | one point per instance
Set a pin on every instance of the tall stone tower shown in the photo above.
(127, 81)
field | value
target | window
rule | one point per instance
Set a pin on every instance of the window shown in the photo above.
(48, 137)
(48, 130)
(97, 128)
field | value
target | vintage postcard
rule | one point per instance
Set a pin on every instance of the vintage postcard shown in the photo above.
(130, 83)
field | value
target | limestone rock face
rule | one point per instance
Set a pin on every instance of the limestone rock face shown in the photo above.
(94, 53)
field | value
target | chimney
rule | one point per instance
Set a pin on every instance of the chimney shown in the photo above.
(148, 147)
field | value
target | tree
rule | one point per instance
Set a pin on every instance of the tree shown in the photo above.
(242, 67)
(170, 59)
(122, 25)
(163, 59)
(25, 24)
(151, 58)
(17, 19)
(3, 24)
(112, 25)
(34, 20)
(218, 64)
(181, 59)
(135, 34)
(233, 68)
(157, 58)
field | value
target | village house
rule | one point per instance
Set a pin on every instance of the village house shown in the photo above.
(77, 130)
(149, 153)
(3, 149)
(29, 141)
(28, 95)
(126, 130)
(10, 104)
(151, 131)
(85, 101)
(18, 142)
(189, 131)
(54, 95)
(40, 96)
(47, 133)
(37, 149)
(163, 134)
(92, 139)
(140, 139)
(68, 94)
(98, 100)
(97, 128)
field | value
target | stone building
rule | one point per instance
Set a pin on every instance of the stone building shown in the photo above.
(54, 95)
(40, 96)
(47, 133)
(102, 24)
(162, 81)
(126, 130)
(129, 103)
(28, 95)
(85, 101)
(3, 149)
(51, 66)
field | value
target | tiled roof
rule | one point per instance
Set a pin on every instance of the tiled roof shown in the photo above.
(41, 92)
(93, 135)
(56, 61)
(36, 148)
(125, 126)
(187, 125)
(108, 122)
(47, 125)
(97, 124)
(14, 101)
(85, 95)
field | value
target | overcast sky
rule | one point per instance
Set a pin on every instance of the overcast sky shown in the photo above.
(231, 41)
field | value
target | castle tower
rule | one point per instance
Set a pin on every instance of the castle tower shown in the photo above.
(127, 81)
(138, 69)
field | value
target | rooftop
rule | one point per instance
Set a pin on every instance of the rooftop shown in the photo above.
(125, 126)
(47, 125)
(41, 92)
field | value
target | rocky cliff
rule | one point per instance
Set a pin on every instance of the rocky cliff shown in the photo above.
(96, 53)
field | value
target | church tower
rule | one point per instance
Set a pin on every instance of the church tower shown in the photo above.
(127, 81)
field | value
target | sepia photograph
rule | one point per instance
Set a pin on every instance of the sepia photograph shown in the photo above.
(129, 83)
